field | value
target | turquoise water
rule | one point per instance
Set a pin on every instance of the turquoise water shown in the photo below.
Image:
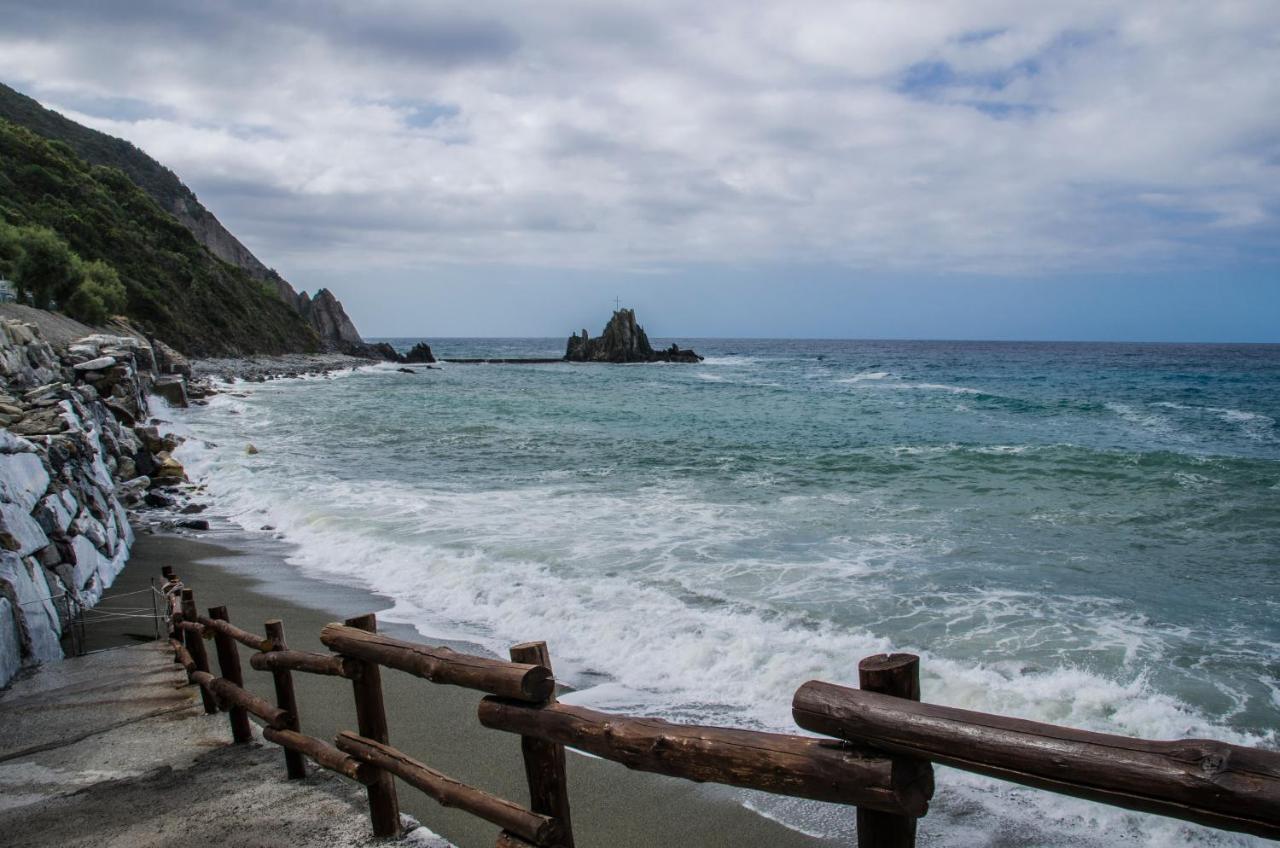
(1085, 534)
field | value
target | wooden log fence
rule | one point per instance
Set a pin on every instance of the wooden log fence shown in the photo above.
(287, 701)
(371, 718)
(244, 637)
(876, 752)
(800, 766)
(308, 661)
(441, 665)
(450, 792)
(544, 762)
(1224, 786)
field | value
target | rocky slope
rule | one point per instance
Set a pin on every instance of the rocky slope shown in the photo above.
(163, 186)
(623, 340)
(174, 288)
(77, 447)
(323, 312)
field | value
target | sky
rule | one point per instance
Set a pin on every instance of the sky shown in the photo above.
(1074, 170)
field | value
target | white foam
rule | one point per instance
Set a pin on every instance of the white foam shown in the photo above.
(1254, 425)
(865, 376)
(731, 359)
(885, 380)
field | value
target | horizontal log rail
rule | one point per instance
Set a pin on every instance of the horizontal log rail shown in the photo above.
(320, 752)
(800, 766)
(1213, 783)
(449, 792)
(192, 627)
(311, 662)
(182, 656)
(244, 637)
(227, 693)
(521, 681)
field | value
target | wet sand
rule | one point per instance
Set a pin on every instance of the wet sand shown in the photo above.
(437, 724)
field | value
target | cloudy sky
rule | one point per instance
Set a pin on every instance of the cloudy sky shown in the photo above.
(838, 169)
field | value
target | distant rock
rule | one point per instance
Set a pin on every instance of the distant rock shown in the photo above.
(623, 340)
(420, 353)
(386, 351)
(326, 314)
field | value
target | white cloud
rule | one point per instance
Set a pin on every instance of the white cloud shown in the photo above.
(988, 136)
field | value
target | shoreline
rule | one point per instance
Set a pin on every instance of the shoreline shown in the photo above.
(258, 369)
(437, 724)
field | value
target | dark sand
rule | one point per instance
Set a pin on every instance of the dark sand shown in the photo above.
(437, 724)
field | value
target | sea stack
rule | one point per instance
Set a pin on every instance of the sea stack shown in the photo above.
(623, 340)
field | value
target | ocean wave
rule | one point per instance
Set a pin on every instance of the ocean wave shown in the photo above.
(866, 376)
(652, 601)
(732, 359)
(885, 380)
(1254, 425)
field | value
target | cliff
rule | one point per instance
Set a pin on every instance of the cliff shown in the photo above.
(623, 340)
(172, 286)
(334, 330)
(160, 183)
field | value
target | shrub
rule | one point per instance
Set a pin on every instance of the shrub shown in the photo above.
(46, 270)
(99, 295)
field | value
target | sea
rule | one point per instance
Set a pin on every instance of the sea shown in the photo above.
(1084, 534)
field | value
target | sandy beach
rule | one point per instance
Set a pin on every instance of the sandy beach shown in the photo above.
(437, 724)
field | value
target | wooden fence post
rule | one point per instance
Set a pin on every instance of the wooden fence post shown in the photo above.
(899, 675)
(371, 717)
(195, 646)
(544, 761)
(286, 699)
(229, 666)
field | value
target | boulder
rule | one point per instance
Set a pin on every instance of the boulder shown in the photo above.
(52, 515)
(173, 388)
(23, 479)
(169, 361)
(95, 364)
(19, 532)
(37, 623)
(169, 471)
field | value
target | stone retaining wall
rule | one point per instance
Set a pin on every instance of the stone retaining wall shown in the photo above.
(75, 449)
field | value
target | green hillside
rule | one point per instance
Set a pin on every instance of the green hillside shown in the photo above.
(174, 287)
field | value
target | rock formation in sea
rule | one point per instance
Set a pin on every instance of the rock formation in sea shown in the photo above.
(623, 340)
(77, 447)
(420, 353)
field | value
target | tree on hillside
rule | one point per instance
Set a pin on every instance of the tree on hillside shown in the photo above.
(48, 273)
(99, 295)
(10, 250)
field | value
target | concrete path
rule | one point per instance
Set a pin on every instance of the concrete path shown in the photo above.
(112, 750)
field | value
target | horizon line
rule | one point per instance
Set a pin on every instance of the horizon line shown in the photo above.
(378, 338)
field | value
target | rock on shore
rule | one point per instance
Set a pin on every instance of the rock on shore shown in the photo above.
(75, 449)
(623, 340)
